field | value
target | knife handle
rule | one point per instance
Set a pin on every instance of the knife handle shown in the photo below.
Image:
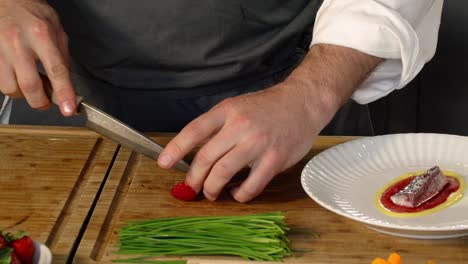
(50, 91)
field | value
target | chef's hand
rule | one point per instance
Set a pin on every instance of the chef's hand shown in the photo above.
(271, 130)
(30, 31)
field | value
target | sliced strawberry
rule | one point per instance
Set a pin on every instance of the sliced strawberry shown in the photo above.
(183, 192)
(23, 248)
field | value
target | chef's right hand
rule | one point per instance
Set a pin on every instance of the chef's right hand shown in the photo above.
(30, 31)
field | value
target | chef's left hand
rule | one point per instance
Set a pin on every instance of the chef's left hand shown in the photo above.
(268, 131)
(271, 130)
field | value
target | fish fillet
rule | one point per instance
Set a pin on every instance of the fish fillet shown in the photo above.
(422, 188)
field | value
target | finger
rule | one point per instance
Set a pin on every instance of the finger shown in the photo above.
(59, 36)
(63, 46)
(260, 175)
(225, 168)
(207, 156)
(190, 136)
(8, 84)
(27, 77)
(51, 57)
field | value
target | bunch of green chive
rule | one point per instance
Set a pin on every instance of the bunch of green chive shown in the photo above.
(252, 237)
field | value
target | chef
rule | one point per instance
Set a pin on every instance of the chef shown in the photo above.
(252, 82)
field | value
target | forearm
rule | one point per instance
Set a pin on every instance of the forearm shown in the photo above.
(329, 75)
(401, 31)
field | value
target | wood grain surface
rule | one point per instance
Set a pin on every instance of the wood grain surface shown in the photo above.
(48, 181)
(138, 189)
(73, 190)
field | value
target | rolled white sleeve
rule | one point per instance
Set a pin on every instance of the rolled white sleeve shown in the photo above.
(404, 32)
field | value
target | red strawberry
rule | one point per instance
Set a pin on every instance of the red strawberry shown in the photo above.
(15, 259)
(183, 192)
(23, 247)
(3, 241)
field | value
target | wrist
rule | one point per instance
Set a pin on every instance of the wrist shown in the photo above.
(329, 75)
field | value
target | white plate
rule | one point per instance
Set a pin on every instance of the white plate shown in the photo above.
(345, 179)
(42, 254)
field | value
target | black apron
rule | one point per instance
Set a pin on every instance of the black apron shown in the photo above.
(159, 64)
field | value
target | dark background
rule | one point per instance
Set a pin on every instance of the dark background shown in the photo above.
(437, 100)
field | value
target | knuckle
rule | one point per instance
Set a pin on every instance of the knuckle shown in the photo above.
(204, 157)
(260, 137)
(224, 170)
(273, 159)
(242, 121)
(58, 71)
(11, 33)
(226, 104)
(29, 85)
(41, 29)
(192, 128)
(177, 149)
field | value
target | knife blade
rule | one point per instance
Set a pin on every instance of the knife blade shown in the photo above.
(121, 133)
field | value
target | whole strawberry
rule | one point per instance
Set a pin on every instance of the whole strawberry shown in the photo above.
(15, 259)
(183, 192)
(23, 247)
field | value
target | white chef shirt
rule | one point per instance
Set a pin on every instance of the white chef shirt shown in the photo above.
(404, 32)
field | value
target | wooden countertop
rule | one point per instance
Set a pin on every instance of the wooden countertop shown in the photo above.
(72, 190)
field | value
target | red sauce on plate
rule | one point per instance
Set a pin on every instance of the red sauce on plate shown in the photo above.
(441, 197)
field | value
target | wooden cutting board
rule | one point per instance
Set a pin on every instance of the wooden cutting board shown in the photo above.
(137, 189)
(48, 180)
(51, 177)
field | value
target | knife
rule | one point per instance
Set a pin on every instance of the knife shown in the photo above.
(109, 126)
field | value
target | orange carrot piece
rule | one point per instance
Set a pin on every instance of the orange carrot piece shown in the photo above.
(430, 262)
(379, 261)
(394, 258)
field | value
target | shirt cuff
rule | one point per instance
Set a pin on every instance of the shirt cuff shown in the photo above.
(383, 31)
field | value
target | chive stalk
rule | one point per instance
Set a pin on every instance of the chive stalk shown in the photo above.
(252, 237)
